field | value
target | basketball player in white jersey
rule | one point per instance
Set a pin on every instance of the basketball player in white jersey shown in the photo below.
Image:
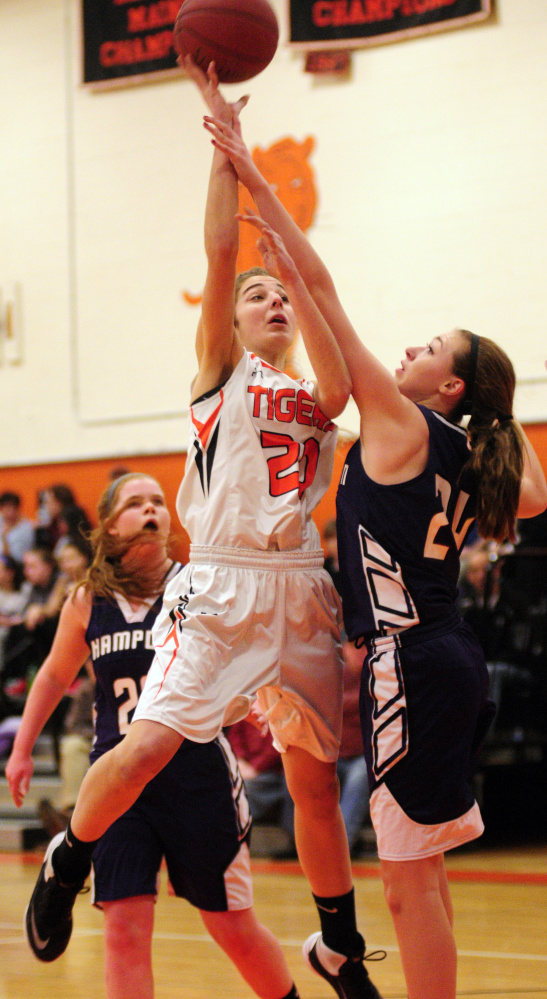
(254, 612)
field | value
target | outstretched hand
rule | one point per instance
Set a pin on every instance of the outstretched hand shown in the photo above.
(277, 259)
(227, 137)
(207, 84)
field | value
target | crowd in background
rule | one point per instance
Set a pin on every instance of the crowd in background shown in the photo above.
(502, 595)
(39, 561)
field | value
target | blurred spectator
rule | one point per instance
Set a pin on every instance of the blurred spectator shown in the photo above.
(330, 549)
(351, 766)
(17, 533)
(30, 637)
(14, 597)
(479, 583)
(75, 746)
(42, 571)
(527, 570)
(489, 604)
(117, 472)
(60, 516)
(262, 771)
(74, 559)
(73, 524)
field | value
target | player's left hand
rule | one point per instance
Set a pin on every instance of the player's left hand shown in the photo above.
(276, 257)
(207, 84)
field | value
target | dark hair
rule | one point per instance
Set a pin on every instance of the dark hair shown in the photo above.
(16, 568)
(62, 493)
(117, 472)
(497, 448)
(12, 498)
(76, 521)
(81, 543)
(44, 552)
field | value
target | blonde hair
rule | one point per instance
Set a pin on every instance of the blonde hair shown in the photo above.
(107, 575)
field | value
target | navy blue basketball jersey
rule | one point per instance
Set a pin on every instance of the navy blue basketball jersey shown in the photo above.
(121, 647)
(399, 544)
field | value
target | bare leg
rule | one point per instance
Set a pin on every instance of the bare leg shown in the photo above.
(115, 781)
(253, 949)
(445, 895)
(417, 895)
(320, 834)
(128, 926)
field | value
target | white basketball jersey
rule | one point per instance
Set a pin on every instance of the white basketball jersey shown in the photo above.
(260, 458)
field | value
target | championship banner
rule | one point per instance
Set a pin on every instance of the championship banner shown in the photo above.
(124, 41)
(338, 24)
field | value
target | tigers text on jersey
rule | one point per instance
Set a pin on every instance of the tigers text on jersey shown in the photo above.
(399, 544)
(260, 458)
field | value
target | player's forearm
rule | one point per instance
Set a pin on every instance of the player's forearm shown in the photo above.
(43, 697)
(308, 262)
(333, 380)
(221, 231)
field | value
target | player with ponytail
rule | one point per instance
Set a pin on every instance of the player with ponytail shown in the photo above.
(109, 617)
(410, 491)
(495, 438)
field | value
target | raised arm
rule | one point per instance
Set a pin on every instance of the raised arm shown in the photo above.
(67, 656)
(533, 489)
(217, 346)
(333, 384)
(384, 411)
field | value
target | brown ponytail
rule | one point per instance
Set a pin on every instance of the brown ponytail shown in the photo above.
(497, 455)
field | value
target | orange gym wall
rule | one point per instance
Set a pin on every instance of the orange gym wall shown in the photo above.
(89, 478)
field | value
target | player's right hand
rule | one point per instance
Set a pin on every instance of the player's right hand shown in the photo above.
(19, 770)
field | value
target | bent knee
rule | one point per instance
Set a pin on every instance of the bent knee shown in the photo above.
(394, 896)
(408, 882)
(145, 750)
(320, 798)
(128, 926)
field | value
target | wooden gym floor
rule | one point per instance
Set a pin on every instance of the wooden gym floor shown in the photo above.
(500, 902)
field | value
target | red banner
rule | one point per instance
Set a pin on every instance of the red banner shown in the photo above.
(124, 40)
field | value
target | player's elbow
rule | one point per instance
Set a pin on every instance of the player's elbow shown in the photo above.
(533, 501)
(334, 401)
(221, 247)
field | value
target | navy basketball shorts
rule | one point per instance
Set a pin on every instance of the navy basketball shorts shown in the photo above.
(425, 711)
(194, 814)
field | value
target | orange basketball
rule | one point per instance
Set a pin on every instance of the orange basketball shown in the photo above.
(241, 36)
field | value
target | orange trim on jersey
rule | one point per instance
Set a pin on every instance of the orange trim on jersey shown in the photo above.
(204, 429)
(269, 366)
(172, 634)
(299, 381)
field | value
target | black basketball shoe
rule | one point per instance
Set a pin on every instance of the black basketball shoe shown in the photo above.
(347, 975)
(48, 918)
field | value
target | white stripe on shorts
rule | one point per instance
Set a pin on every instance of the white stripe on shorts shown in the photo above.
(251, 558)
(238, 881)
(400, 838)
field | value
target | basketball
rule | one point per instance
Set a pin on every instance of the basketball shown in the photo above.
(240, 36)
